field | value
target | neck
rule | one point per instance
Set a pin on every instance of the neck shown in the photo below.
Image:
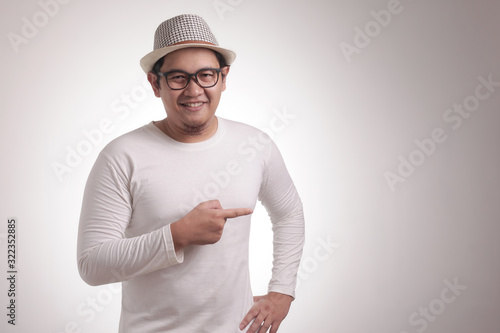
(189, 134)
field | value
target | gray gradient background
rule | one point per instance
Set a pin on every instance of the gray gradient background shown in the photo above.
(393, 250)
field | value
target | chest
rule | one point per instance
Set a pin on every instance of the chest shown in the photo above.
(167, 188)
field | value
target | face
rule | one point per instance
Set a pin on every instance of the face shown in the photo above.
(190, 111)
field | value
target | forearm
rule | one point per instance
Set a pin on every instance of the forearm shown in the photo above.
(104, 252)
(281, 199)
(123, 259)
(288, 242)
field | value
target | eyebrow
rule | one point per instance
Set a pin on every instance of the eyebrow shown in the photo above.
(182, 70)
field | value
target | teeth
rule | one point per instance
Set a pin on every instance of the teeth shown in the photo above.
(193, 105)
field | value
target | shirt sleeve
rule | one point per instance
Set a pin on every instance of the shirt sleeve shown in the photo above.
(104, 254)
(282, 202)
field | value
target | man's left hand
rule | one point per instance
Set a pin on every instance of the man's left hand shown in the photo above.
(268, 311)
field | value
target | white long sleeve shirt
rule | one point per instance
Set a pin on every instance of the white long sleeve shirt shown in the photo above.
(142, 182)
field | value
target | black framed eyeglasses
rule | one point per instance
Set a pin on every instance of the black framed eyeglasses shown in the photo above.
(205, 78)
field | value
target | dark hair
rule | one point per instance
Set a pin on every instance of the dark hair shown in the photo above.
(158, 64)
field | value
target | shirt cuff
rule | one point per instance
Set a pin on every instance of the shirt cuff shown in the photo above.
(173, 257)
(282, 290)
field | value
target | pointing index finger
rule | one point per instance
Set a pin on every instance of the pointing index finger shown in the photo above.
(236, 212)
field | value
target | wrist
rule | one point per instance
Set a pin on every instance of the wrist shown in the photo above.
(280, 296)
(178, 235)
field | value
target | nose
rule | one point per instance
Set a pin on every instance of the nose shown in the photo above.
(193, 88)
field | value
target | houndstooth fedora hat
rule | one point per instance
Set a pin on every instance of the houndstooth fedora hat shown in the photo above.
(181, 32)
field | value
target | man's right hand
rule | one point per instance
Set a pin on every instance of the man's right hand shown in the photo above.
(203, 224)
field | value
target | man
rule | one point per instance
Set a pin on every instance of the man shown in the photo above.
(167, 207)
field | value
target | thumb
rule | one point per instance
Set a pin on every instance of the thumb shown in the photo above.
(257, 298)
(212, 204)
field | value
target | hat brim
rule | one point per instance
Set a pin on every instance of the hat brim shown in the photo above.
(147, 62)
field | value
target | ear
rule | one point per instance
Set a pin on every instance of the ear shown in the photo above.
(152, 78)
(224, 72)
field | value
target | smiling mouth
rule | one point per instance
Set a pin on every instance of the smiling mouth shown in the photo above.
(192, 105)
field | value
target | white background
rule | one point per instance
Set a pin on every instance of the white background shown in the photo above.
(393, 250)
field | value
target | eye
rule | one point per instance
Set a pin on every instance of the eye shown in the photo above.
(207, 75)
(176, 77)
